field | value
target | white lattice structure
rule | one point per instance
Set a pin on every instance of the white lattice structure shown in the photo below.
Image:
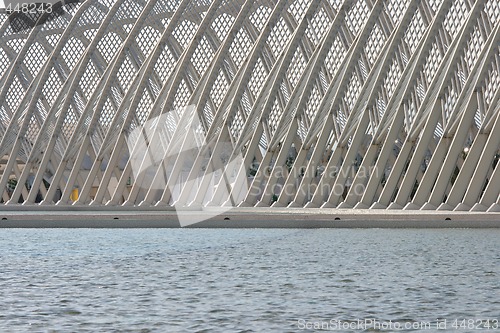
(353, 104)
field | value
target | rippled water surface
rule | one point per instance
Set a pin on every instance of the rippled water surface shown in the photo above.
(243, 280)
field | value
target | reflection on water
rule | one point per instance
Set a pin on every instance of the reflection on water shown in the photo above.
(242, 280)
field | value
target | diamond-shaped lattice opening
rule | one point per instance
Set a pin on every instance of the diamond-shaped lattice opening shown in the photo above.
(15, 90)
(72, 8)
(374, 44)
(410, 109)
(492, 9)
(219, 88)
(90, 33)
(354, 87)
(32, 131)
(492, 82)
(456, 17)
(128, 9)
(127, 28)
(298, 8)
(241, 47)
(4, 61)
(434, 4)
(51, 87)
(72, 51)
(143, 108)
(278, 37)
(89, 79)
(146, 39)
(357, 16)
(317, 26)
(236, 125)
(222, 24)
(395, 10)
(297, 66)
(55, 21)
(449, 100)
(259, 17)
(165, 6)
(109, 45)
(184, 32)
(335, 4)
(392, 78)
(35, 58)
(92, 15)
(274, 116)
(474, 46)
(432, 62)
(126, 73)
(182, 95)
(165, 22)
(257, 78)
(53, 39)
(107, 114)
(202, 56)
(165, 64)
(70, 122)
(313, 103)
(335, 56)
(415, 31)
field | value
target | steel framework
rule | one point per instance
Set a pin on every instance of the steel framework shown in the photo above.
(383, 104)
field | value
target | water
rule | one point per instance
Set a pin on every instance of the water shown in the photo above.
(146, 280)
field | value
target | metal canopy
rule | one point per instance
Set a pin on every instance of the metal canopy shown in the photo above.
(384, 104)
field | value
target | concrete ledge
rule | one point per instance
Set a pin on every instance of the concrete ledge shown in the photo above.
(111, 217)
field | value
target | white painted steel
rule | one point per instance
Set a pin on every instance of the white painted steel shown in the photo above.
(381, 104)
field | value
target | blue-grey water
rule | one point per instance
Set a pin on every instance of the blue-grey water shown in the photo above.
(147, 280)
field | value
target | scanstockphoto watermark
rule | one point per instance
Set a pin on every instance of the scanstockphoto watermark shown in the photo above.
(362, 324)
(170, 156)
(465, 324)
